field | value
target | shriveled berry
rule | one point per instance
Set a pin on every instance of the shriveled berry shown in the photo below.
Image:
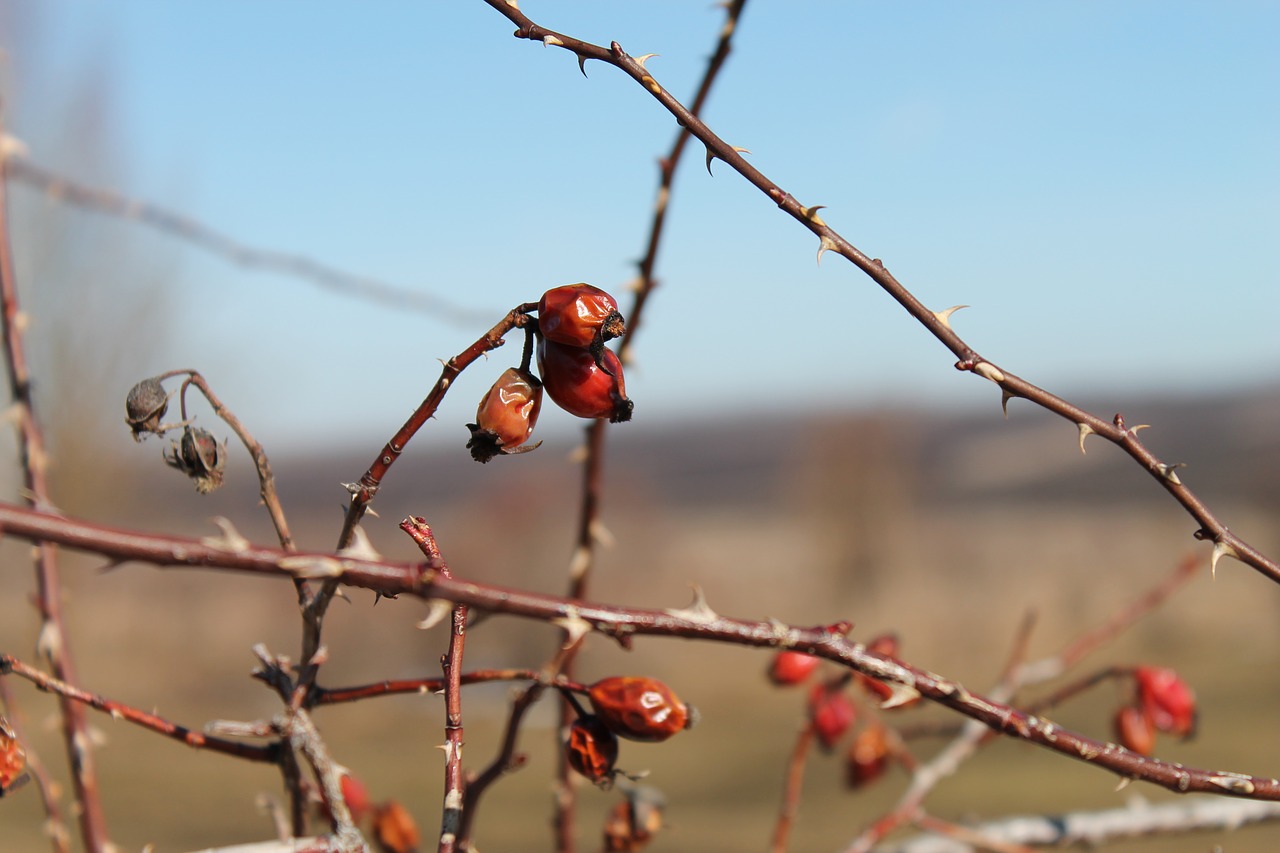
(868, 756)
(13, 760)
(632, 824)
(592, 749)
(580, 385)
(506, 416)
(790, 667)
(144, 407)
(831, 713)
(394, 828)
(638, 708)
(1167, 700)
(579, 315)
(1134, 730)
(200, 457)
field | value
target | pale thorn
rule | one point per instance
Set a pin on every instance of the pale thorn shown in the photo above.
(574, 626)
(1170, 472)
(438, 608)
(987, 370)
(311, 567)
(21, 321)
(783, 634)
(579, 562)
(360, 548)
(230, 541)
(826, 244)
(11, 146)
(353, 489)
(635, 285)
(811, 214)
(740, 150)
(664, 196)
(899, 694)
(371, 511)
(698, 611)
(577, 455)
(1220, 549)
(1137, 427)
(1085, 430)
(641, 60)
(514, 4)
(49, 642)
(549, 40)
(1123, 783)
(944, 316)
(601, 534)
(1005, 396)
(116, 715)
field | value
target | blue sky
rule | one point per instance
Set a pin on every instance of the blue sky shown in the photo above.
(1100, 181)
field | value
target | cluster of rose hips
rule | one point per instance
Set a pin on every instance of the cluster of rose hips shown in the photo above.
(1164, 703)
(580, 374)
(631, 707)
(197, 454)
(392, 826)
(833, 712)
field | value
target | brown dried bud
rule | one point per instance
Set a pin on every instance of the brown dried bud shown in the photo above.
(144, 407)
(200, 457)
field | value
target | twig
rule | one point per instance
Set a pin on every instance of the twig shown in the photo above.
(34, 461)
(1225, 542)
(623, 623)
(392, 687)
(791, 791)
(112, 203)
(55, 824)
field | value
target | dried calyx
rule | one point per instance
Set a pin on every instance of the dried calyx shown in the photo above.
(200, 457)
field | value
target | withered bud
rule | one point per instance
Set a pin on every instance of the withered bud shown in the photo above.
(144, 407)
(200, 457)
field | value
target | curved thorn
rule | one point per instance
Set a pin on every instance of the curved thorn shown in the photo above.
(710, 156)
(1220, 549)
(1170, 472)
(944, 316)
(550, 40)
(582, 64)
(826, 245)
(641, 60)
(811, 214)
(1085, 430)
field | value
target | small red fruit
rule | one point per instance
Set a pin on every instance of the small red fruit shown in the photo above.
(1134, 730)
(791, 667)
(868, 756)
(1166, 700)
(579, 315)
(638, 708)
(580, 385)
(394, 828)
(506, 416)
(592, 749)
(831, 713)
(13, 760)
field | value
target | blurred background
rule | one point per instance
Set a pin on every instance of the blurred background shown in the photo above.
(1101, 183)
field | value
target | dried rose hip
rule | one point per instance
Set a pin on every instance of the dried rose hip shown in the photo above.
(13, 760)
(144, 407)
(592, 749)
(1134, 730)
(200, 457)
(506, 416)
(579, 315)
(580, 385)
(831, 713)
(868, 756)
(638, 708)
(1166, 700)
(791, 667)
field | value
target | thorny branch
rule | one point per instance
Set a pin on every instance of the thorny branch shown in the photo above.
(34, 462)
(1225, 542)
(622, 624)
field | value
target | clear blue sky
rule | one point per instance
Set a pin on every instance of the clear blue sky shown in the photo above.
(1100, 181)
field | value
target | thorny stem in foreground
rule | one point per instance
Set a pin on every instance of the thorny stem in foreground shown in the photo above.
(589, 523)
(422, 580)
(1225, 542)
(34, 462)
(61, 188)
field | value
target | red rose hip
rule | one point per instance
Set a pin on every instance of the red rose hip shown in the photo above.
(506, 415)
(592, 749)
(579, 315)
(580, 385)
(637, 708)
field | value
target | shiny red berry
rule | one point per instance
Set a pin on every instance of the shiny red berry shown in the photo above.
(13, 760)
(506, 415)
(592, 749)
(638, 708)
(580, 385)
(1133, 729)
(579, 315)
(831, 712)
(791, 667)
(1167, 700)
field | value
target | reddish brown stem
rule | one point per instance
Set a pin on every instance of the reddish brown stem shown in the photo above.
(791, 792)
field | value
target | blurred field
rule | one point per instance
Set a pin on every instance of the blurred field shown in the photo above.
(945, 530)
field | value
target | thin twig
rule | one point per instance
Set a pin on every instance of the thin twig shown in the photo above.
(791, 791)
(34, 460)
(99, 200)
(55, 824)
(1210, 528)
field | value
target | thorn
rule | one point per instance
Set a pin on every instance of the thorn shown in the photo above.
(1123, 783)
(601, 534)
(811, 214)
(899, 695)
(439, 608)
(698, 611)
(230, 540)
(582, 64)
(944, 316)
(579, 562)
(1170, 472)
(1220, 549)
(641, 60)
(550, 40)
(360, 548)
(710, 157)
(575, 627)
(826, 244)
(987, 370)
(1005, 396)
(1085, 430)
(1134, 429)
